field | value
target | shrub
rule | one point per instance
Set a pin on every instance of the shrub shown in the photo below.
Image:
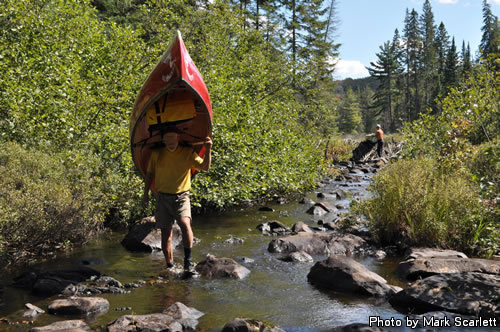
(414, 201)
(47, 201)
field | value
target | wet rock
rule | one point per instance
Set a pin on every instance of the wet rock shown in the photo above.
(108, 281)
(334, 243)
(328, 225)
(145, 237)
(132, 285)
(301, 227)
(266, 209)
(249, 325)
(246, 260)
(66, 325)
(123, 309)
(48, 283)
(357, 327)
(274, 227)
(413, 269)
(234, 240)
(380, 254)
(432, 253)
(177, 317)
(297, 257)
(320, 209)
(213, 267)
(78, 306)
(343, 274)
(326, 196)
(340, 206)
(32, 311)
(306, 200)
(467, 293)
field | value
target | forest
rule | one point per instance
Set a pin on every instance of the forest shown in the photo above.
(72, 69)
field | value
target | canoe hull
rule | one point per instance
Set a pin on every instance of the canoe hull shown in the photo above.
(172, 82)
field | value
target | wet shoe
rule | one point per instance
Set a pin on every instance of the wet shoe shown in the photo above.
(189, 267)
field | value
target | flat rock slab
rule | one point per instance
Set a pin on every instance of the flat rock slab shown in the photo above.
(466, 293)
(432, 253)
(217, 268)
(413, 269)
(334, 243)
(177, 317)
(78, 306)
(345, 275)
(145, 237)
(66, 325)
(249, 325)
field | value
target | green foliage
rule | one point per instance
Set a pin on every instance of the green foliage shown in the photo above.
(48, 200)
(349, 113)
(416, 202)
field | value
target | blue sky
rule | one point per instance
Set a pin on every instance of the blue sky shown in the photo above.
(367, 24)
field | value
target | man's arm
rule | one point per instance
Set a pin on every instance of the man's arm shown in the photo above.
(147, 186)
(207, 160)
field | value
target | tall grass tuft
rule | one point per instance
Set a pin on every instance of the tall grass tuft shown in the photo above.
(415, 202)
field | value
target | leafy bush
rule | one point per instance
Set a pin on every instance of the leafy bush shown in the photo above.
(415, 201)
(47, 200)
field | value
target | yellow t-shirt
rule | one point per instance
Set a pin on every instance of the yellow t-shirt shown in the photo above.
(172, 169)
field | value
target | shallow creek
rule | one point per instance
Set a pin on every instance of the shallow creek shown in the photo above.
(275, 291)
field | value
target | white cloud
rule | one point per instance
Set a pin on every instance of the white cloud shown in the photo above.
(350, 68)
(451, 2)
(496, 2)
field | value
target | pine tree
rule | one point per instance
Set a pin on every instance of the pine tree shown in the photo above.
(429, 52)
(386, 70)
(412, 35)
(466, 60)
(442, 46)
(490, 41)
(450, 71)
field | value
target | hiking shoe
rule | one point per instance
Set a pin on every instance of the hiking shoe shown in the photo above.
(189, 267)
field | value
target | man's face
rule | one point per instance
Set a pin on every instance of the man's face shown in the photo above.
(172, 141)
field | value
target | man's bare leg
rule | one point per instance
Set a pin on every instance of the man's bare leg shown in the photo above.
(166, 245)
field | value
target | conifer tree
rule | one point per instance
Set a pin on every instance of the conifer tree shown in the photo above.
(412, 35)
(442, 46)
(450, 71)
(466, 60)
(349, 113)
(429, 51)
(490, 41)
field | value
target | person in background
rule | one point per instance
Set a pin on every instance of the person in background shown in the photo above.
(379, 135)
(170, 168)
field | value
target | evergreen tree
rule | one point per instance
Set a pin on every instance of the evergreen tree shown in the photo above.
(442, 46)
(412, 35)
(466, 60)
(429, 52)
(490, 41)
(450, 71)
(386, 70)
(349, 113)
(365, 97)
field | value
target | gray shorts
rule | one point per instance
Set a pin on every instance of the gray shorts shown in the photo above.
(171, 207)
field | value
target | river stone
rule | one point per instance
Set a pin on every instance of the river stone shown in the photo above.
(213, 267)
(326, 196)
(466, 293)
(413, 269)
(297, 257)
(301, 227)
(344, 274)
(48, 283)
(357, 327)
(334, 243)
(32, 311)
(177, 317)
(66, 325)
(145, 237)
(306, 200)
(249, 325)
(234, 240)
(432, 253)
(78, 306)
(274, 227)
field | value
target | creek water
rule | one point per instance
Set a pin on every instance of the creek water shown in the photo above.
(274, 291)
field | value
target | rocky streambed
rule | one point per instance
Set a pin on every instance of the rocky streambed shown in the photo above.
(284, 266)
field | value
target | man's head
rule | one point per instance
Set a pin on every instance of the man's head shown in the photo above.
(172, 140)
(378, 126)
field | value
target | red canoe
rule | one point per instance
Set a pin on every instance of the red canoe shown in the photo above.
(173, 98)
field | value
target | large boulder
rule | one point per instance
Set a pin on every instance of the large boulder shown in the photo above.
(66, 325)
(177, 317)
(345, 275)
(334, 243)
(48, 283)
(413, 269)
(213, 267)
(145, 237)
(466, 293)
(78, 306)
(249, 325)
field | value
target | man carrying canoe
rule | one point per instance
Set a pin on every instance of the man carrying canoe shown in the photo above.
(170, 167)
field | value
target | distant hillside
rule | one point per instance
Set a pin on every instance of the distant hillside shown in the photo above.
(356, 84)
